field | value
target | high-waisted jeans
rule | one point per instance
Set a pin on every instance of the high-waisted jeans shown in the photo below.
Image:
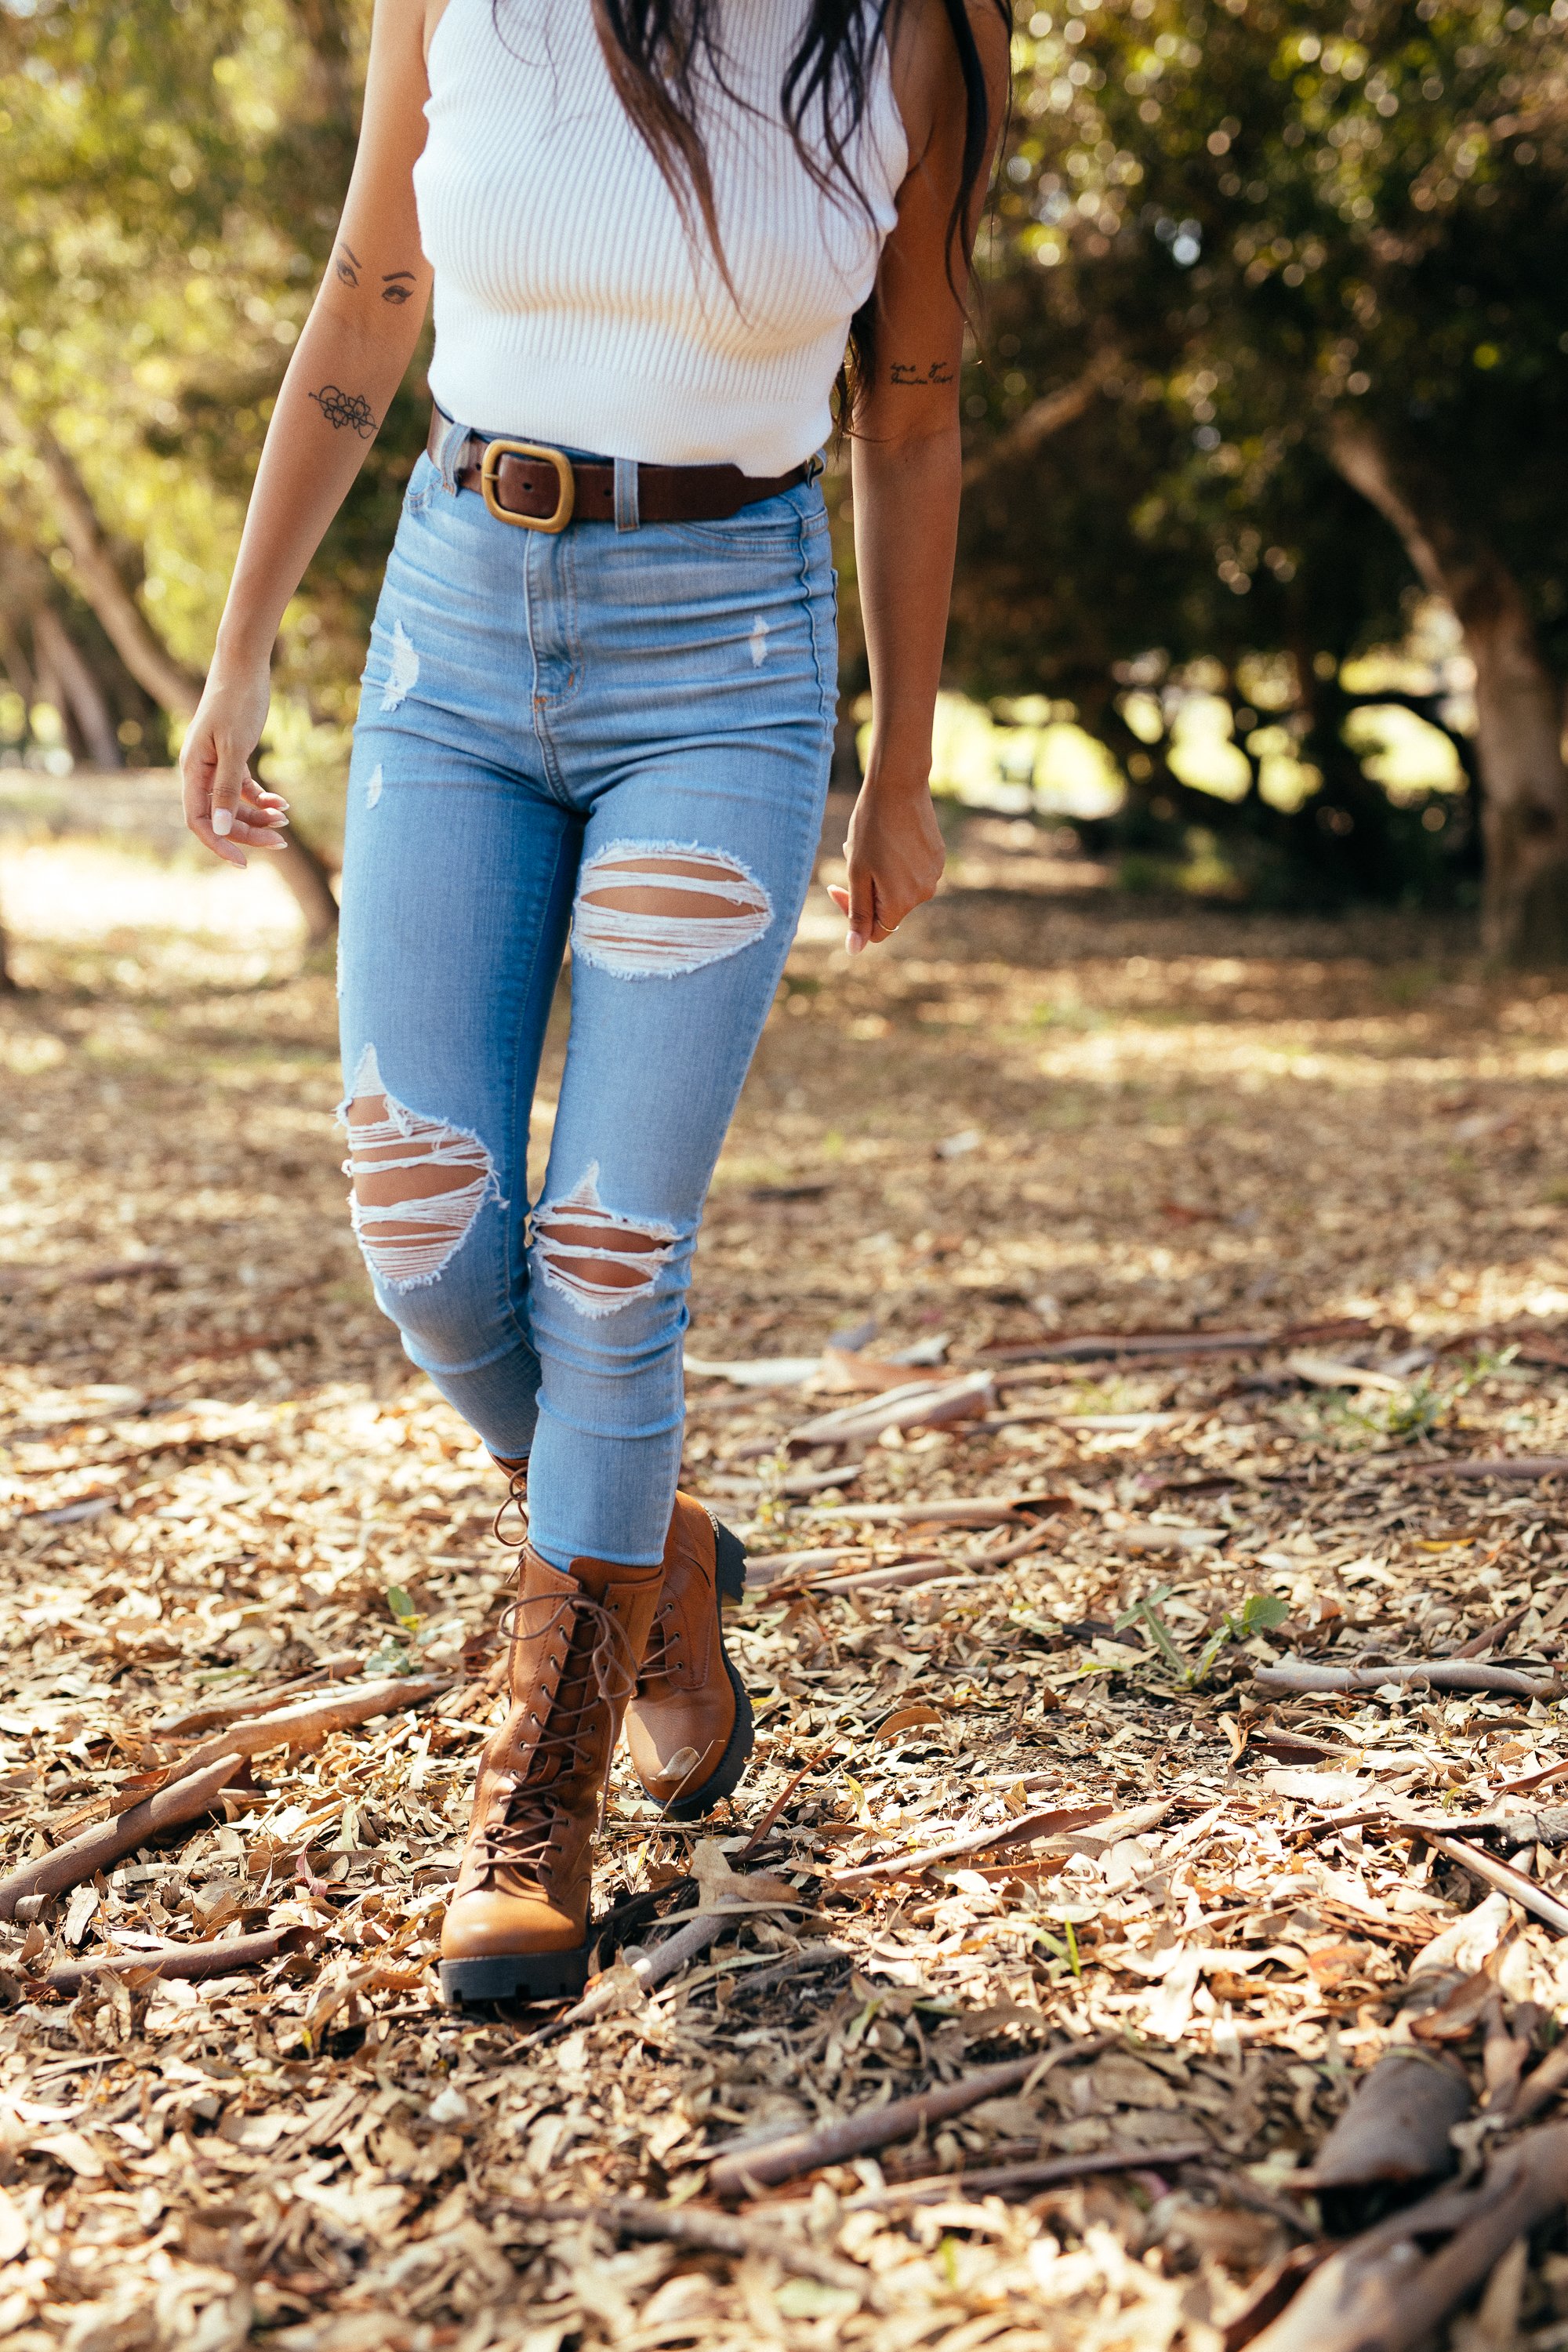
(616, 734)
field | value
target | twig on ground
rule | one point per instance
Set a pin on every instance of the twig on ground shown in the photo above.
(1298, 1677)
(219, 1957)
(951, 1511)
(1490, 1635)
(693, 2225)
(989, 2180)
(1395, 2127)
(780, 1802)
(745, 2170)
(240, 1709)
(182, 1800)
(1490, 1465)
(810, 1956)
(1544, 2083)
(1023, 1831)
(1382, 2290)
(304, 1725)
(1504, 1878)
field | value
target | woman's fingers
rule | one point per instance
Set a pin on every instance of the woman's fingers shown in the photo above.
(858, 904)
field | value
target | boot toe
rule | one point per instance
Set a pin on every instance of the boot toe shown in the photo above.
(488, 1923)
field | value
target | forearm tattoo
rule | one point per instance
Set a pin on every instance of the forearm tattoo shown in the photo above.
(906, 372)
(396, 285)
(341, 408)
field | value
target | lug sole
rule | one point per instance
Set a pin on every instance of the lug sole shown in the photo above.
(514, 1976)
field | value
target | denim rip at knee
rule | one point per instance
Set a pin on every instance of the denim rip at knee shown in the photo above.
(622, 734)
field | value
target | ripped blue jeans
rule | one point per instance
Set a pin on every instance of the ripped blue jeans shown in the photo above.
(618, 735)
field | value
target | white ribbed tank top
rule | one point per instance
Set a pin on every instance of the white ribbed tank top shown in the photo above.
(572, 306)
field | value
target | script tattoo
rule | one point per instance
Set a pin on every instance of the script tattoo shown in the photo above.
(393, 286)
(341, 408)
(905, 371)
(348, 265)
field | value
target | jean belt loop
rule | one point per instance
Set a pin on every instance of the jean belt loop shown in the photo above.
(626, 515)
(453, 443)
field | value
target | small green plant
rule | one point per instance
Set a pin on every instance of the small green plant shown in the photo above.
(1258, 1612)
(391, 1657)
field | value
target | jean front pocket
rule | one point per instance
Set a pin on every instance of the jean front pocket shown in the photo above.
(425, 478)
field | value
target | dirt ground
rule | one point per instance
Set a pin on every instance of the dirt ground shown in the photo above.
(1334, 1150)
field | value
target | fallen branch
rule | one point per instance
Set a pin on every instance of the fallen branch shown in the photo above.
(219, 1957)
(1480, 1643)
(1023, 1831)
(780, 1802)
(743, 2172)
(953, 1511)
(1298, 1676)
(1504, 1878)
(991, 2179)
(240, 1710)
(810, 1956)
(1491, 1466)
(1094, 1346)
(309, 1723)
(1543, 2085)
(1384, 2290)
(692, 2225)
(910, 1573)
(649, 1968)
(1395, 2127)
(180, 1801)
(919, 1404)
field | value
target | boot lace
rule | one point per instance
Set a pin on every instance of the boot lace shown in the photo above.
(664, 1652)
(596, 1671)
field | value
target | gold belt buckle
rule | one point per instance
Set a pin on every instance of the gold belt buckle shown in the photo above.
(496, 450)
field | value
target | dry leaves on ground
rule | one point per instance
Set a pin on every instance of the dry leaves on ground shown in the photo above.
(1035, 1807)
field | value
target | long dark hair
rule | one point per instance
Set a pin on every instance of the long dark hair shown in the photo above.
(659, 52)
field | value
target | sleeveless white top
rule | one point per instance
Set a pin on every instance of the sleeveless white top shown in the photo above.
(571, 304)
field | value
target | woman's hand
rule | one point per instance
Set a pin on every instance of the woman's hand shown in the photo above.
(895, 854)
(224, 805)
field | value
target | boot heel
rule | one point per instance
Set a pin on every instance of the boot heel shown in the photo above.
(729, 1562)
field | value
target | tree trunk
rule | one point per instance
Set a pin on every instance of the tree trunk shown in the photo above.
(97, 579)
(57, 651)
(1519, 738)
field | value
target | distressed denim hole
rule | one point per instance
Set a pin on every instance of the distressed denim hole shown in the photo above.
(602, 1261)
(418, 1182)
(652, 909)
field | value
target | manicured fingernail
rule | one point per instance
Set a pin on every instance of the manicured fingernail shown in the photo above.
(854, 942)
(223, 822)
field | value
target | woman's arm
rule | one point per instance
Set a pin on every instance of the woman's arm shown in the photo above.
(347, 365)
(905, 465)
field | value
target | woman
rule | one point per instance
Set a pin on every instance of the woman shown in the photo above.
(599, 701)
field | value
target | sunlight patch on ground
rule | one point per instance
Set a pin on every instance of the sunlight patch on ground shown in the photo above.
(91, 893)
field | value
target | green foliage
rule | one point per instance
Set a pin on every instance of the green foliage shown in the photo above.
(1262, 219)
(170, 179)
(1260, 1612)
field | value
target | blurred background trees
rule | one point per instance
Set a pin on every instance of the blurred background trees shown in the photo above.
(1265, 527)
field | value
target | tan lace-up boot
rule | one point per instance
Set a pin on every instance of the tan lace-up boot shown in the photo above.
(689, 1726)
(517, 1927)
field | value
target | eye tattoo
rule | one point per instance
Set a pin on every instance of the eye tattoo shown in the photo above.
(348, 265)
(391, 290)
(341, 408)
(905, 371)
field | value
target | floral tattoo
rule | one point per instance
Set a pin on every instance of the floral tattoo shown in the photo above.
(341, 408)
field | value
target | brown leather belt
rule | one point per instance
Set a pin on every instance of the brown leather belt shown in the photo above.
(541, 488)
